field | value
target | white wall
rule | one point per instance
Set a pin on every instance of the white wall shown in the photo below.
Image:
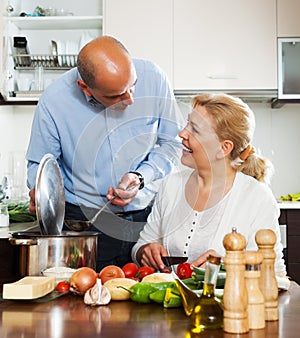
(277, 136)
(15, 125)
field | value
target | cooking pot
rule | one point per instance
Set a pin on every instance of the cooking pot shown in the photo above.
(69, 249)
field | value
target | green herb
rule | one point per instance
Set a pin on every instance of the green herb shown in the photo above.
(19, 212)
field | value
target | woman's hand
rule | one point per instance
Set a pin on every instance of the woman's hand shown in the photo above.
(31, 206)
(201, 260)
(150, 255)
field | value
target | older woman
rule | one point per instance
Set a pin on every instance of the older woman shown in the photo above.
(224, 187)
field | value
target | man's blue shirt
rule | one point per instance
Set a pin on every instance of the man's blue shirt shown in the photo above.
(95, 146)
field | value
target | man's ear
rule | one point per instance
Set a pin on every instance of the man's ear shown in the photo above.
(82, 85)
(225, 150)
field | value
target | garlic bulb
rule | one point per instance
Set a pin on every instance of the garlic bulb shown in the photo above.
(97, 295)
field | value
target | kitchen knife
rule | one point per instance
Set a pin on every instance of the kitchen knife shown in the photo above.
(172, 260)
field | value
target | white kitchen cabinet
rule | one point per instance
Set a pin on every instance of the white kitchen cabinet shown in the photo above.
(288, 23)
(201, 44)
(71, 24)
(225, 45)
(144, 27)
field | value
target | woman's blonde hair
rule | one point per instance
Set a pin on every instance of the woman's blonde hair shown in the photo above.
(235, 121)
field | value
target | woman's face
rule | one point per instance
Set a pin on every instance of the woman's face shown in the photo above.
(199, 139)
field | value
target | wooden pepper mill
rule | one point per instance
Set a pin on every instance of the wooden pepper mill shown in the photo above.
(235, 296)
(256, 302)
(266, 239)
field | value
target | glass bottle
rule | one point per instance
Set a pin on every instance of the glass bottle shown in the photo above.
(4, 216)
(208, 313)
(205, 311)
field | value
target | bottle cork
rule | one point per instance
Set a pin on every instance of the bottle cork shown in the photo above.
(235, 296)
(266, 239)
(256, 304)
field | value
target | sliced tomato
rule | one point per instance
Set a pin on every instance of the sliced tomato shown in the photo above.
(144, 271)
(184, 270)
(130, 270)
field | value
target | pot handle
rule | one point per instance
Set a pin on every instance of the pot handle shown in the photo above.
(23, 241)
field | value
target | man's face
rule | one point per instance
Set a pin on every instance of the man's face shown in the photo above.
(114, 93)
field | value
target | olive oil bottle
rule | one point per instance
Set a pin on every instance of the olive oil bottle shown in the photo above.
(205, 311)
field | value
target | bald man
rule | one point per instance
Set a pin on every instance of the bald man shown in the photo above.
(111, 122)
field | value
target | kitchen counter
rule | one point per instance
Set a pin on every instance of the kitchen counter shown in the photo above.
(289, 205)
(16, 227)
(69, 317)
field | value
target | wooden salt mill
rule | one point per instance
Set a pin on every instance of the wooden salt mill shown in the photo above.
(256, 303)
(235, 296)
(265, 240)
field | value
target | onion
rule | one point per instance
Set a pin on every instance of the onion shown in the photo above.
(82, 280)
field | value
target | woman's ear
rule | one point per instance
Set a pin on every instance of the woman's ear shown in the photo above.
(82, 85)
(225, 150)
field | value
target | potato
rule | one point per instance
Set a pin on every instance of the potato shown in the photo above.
(115, 287)
(158, 277)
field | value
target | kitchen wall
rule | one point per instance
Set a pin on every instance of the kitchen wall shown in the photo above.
(15, 124)
(276, 136)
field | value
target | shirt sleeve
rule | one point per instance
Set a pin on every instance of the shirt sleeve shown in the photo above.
(163, 158)
(267, 218)
(44, 139)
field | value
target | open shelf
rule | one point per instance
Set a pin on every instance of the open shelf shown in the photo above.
(57, 22)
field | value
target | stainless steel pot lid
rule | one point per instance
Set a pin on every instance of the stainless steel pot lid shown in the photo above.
(49, 196)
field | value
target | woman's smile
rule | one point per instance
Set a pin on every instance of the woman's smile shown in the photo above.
(186, 151)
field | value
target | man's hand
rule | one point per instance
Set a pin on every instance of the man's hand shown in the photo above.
(123, 191)
(32, 200)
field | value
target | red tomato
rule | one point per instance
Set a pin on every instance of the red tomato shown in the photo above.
(130, 270)
(166, 270)
(134, 278)
(63, 286)
(184, 270)
(144, 271)
(110, 272)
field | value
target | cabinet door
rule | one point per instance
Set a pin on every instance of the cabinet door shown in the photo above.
(288, 23)
(144, 27)
(293, 240)
(227, 44)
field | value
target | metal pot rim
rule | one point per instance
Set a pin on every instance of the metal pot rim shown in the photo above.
(64, 234)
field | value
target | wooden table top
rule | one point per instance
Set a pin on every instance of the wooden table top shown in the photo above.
(69, 317)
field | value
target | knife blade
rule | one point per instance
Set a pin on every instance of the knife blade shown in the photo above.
(172, 260)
